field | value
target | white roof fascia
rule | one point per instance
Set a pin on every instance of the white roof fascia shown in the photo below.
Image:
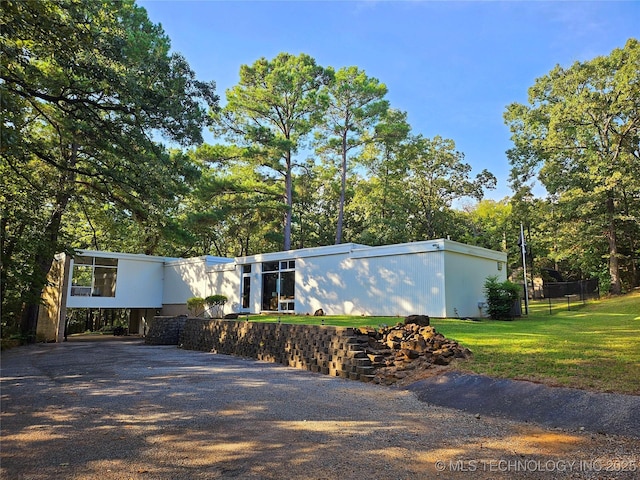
(207, 260)
(398, 249)
(124, 256)
(457, 247)
(301, 253)
(229, 266)
(424, 246)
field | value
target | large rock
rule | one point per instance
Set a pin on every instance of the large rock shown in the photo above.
(422, 320)
(409, 347)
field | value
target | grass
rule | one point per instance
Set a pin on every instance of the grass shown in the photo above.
(593, 347)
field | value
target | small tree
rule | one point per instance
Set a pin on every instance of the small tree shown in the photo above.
(501, 297)
(195, 305)
(216, 304)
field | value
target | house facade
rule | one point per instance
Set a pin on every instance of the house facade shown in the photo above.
(439, 278)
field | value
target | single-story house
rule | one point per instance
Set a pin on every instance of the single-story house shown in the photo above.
(439, 278)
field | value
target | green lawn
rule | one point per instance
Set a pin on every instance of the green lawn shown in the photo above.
(594, 347)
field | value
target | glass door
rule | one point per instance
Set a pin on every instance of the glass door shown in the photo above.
(278, 286)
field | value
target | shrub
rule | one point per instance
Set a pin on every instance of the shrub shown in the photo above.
(216, 304)
(501, 297)
(195, 305)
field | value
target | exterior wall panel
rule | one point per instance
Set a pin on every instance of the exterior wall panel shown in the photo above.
(394, 285)
(465, 276)
(184, 279)
(139, 284)
(226, 281)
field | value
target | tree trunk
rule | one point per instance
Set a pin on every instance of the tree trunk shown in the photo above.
(343, 188)
(614, 269)
(289, 201)
(46, 251)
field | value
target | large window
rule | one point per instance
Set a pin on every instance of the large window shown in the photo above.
(278, 286)
(246, 286)
(94, 277)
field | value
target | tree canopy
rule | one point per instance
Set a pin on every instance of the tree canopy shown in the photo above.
(87, 90)
(271, 110)
(580, 137)
(356, 104)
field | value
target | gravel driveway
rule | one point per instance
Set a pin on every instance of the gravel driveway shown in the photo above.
(119, 409)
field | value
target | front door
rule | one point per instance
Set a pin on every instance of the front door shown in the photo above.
(270, 291)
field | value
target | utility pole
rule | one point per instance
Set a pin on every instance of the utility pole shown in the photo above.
(523, 249)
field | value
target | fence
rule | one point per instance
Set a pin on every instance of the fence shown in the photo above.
(571, 292)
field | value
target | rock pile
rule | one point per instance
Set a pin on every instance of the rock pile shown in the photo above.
(408, 351)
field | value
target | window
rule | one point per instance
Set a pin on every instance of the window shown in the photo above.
(245, 293)
(278, 286)
(270, 267)
(94, 277)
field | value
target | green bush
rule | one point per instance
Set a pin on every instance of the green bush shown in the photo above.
(195, 305)
(216, 304)
(501, 297)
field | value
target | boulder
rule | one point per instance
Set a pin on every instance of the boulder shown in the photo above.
(422, 320)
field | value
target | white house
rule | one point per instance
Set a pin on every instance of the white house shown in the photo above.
(439, 278)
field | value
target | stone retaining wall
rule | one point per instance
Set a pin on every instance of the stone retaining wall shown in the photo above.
(165, 330)
(335, 351)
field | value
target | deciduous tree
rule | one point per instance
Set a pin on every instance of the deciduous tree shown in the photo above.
(87, 88)
(580, 136)
(438, 176)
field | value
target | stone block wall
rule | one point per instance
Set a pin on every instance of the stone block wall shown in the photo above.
(335, 351)
(165, 330)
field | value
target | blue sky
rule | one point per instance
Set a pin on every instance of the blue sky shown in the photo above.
(453, 66)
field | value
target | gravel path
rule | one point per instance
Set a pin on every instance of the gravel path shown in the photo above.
(123, 410)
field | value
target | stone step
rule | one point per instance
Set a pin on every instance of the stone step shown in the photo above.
(365, 370)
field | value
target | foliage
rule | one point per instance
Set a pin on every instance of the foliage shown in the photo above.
(234, 209)
(215, 300)
(380, 206)
(411, 197)
(195, 305)
(356, 104)
(216, 304)
(579, 137)
(86, 87)
(501, 297)
(271, 111)
(491, 226)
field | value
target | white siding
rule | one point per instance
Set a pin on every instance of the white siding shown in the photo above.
(391, 285)
(184, 279)
(465, 275)
(439, 278)
(138, 285)
(225, 281)
(321, 282)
